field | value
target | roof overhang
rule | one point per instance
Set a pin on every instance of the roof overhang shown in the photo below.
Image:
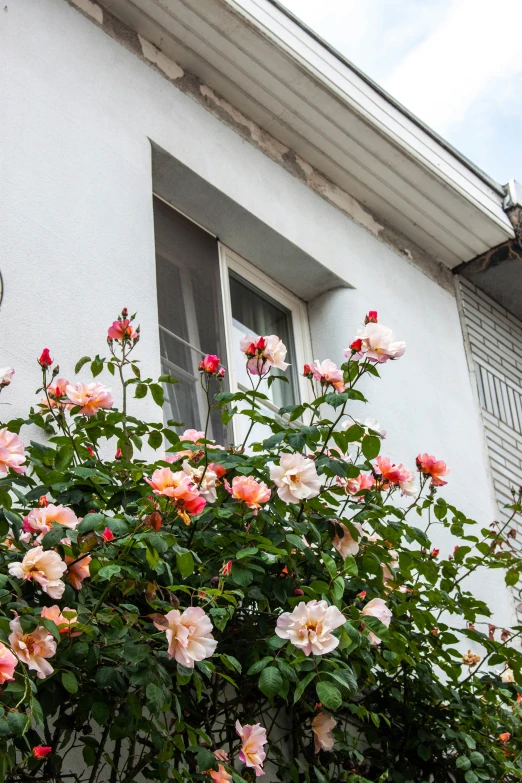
(309, 98)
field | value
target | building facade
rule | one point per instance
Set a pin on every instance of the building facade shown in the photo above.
(217, 168)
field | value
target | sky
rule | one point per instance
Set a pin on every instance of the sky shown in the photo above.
(456, 64)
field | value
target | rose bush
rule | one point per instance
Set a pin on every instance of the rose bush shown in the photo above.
(221, 613)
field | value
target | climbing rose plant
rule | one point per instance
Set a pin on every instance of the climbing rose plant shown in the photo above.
(223, 613)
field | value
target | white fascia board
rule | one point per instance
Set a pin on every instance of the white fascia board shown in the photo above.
(277, 74)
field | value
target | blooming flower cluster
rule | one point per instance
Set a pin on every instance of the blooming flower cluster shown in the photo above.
(226, 583)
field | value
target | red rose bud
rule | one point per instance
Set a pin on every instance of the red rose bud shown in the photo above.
(371, 318)
(42, 501)
(41, 751)
(125, 312)
(307, 371)
(434, 552)
(107, 534)
(227, 568)
(298, 591)
(356, 345)
(45, 358)
(118, 454)
(91, 451)
(211, 363)
(362, 594)
(221, 374)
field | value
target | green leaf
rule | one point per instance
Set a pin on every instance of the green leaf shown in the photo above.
(424, 752)
(512, 577)
(300, 689)
(470, 777)
(336, 400)
(18, 722)
(100, 712)
(206, 760)
(158, 395)
(329, 695)
(477, 758)
(80, 364)
(155, 698)
(64, 456)
(155, 439)
(185, 564)
(251, 550)
(141, 391)
(270, 682)
(108, 571)
(330, 565)
(259, 665)
(54, 536)
(91, 522)
(69, 682)
(371, 446)
(350, 566)
(167, 379)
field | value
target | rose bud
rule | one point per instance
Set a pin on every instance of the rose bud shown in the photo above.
(371, 318)
(298, 591)
(45, 358)
(107, 534)
(41, 751)
(356, 345)
(42, 501)
(227, 568)
(118, 454)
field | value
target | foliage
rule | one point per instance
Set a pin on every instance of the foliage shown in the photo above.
(116, 706)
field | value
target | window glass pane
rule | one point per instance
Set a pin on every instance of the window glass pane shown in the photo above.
(190, 315)
(255, 314)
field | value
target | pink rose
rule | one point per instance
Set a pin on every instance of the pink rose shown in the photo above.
(12, 452)
(253, 738)
(309, 627)
(89, 396)
(189, 635)
(377, 608)
(436, 468)
(33, 648)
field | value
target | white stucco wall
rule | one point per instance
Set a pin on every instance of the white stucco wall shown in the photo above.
(76, 239)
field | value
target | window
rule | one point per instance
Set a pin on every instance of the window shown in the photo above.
(208, 299)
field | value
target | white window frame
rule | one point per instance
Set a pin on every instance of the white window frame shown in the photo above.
(231, 261)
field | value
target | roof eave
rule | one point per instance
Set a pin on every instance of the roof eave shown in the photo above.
(309, 98)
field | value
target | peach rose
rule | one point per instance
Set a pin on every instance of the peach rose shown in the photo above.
(12, 452)
(33, 648)
(64, 625)
(89, 396)
(328, 374)
(347, 545)
(436, 468)
(77, 572)
(44, 567)
(322, 727)
(252, 492)
(55, 392)
(309, 627)
(253, 737)
(377, 608)
(179, 487)
(221, 776)
(189, 635)
(41, 520)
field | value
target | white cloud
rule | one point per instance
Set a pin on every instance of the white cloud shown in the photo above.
(474, 47)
